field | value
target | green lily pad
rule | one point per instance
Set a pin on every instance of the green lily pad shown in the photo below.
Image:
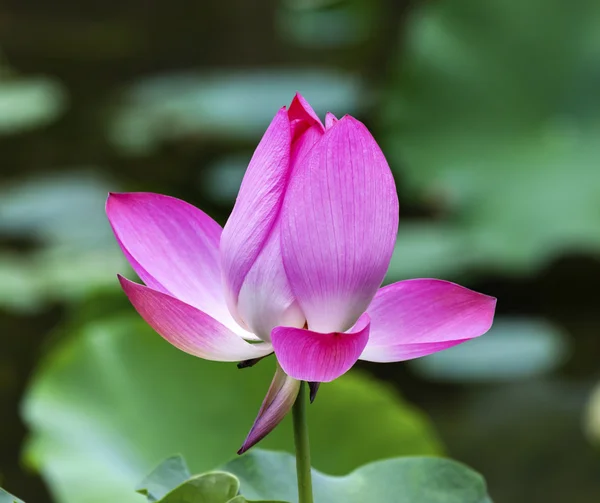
(224, 105)
(171, 473)
(501, 134)
(213, 487)
(401, 480)
(112, 401)
(8, 498)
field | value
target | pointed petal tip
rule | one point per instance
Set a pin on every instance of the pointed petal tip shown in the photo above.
(277, 403)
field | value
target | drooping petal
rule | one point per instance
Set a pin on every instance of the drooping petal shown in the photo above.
(319, 357)
(188, 328)
(330, 120)
(257, 205)
(338, 226)
(173, 247)
(418, 317)
(278, 402)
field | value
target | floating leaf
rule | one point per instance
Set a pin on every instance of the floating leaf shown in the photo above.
(27, 103)
(401, 480)
(501, 133)
(514, 348)
(113, 401)
(234, 104)
(8, 498)
(171, 473)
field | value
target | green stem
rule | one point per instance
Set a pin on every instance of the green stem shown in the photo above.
(302, 447)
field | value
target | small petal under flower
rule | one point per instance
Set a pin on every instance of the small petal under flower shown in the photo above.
(316, 357)
(278, 402)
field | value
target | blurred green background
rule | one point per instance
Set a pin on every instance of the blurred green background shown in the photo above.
(489, 114)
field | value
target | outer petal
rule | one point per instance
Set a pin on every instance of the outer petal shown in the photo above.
(418, 317)
(257, 206)
(173, 247)
(188, 328)
(339, 226)
(278, 402)
(311, 356)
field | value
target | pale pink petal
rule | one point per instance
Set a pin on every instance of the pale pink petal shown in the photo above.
(338, 226)
(319, 357)
(330, 120)
(418, 317)
(278, 402)
(266, 299)
(173, 247)
(257, 206)
(188, 328)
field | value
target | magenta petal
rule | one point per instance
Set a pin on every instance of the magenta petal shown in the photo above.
(316, 357)
(188, 328)
(418, 317)
(278, 402)
(330, 120)
(339, 226)
(257, 206)
(302, 116)
(173, 247)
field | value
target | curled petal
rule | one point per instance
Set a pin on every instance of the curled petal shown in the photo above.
(188, 328)
(316, 357)
(173, 247)
(338, 226)
(302, 116)
(257, 206)
(278, 402)
(418, 317)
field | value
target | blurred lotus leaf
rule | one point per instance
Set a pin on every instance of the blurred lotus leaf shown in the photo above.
(592, 420)
(171, 473)
(73, 247)
(501, 133)
(328, 23)
(112, 401)
(29, 102)
(514, 348)
(8, 498)
(401, 480)
(171, 482)
(235, 104)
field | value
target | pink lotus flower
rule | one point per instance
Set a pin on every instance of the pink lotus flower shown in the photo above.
(298, 267)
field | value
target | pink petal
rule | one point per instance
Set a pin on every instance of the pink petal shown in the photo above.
(338, 227)
(418, 317)
(330, 120)
(188, 328)
(173, 247)
(316, 357)
(257, 206)
(266, 299)
(278, 402)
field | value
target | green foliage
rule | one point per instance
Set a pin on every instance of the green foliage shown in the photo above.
(494, 120)
(171, 482)
(114, 399)
(8, 498)
(402, 480)
(169, 474)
